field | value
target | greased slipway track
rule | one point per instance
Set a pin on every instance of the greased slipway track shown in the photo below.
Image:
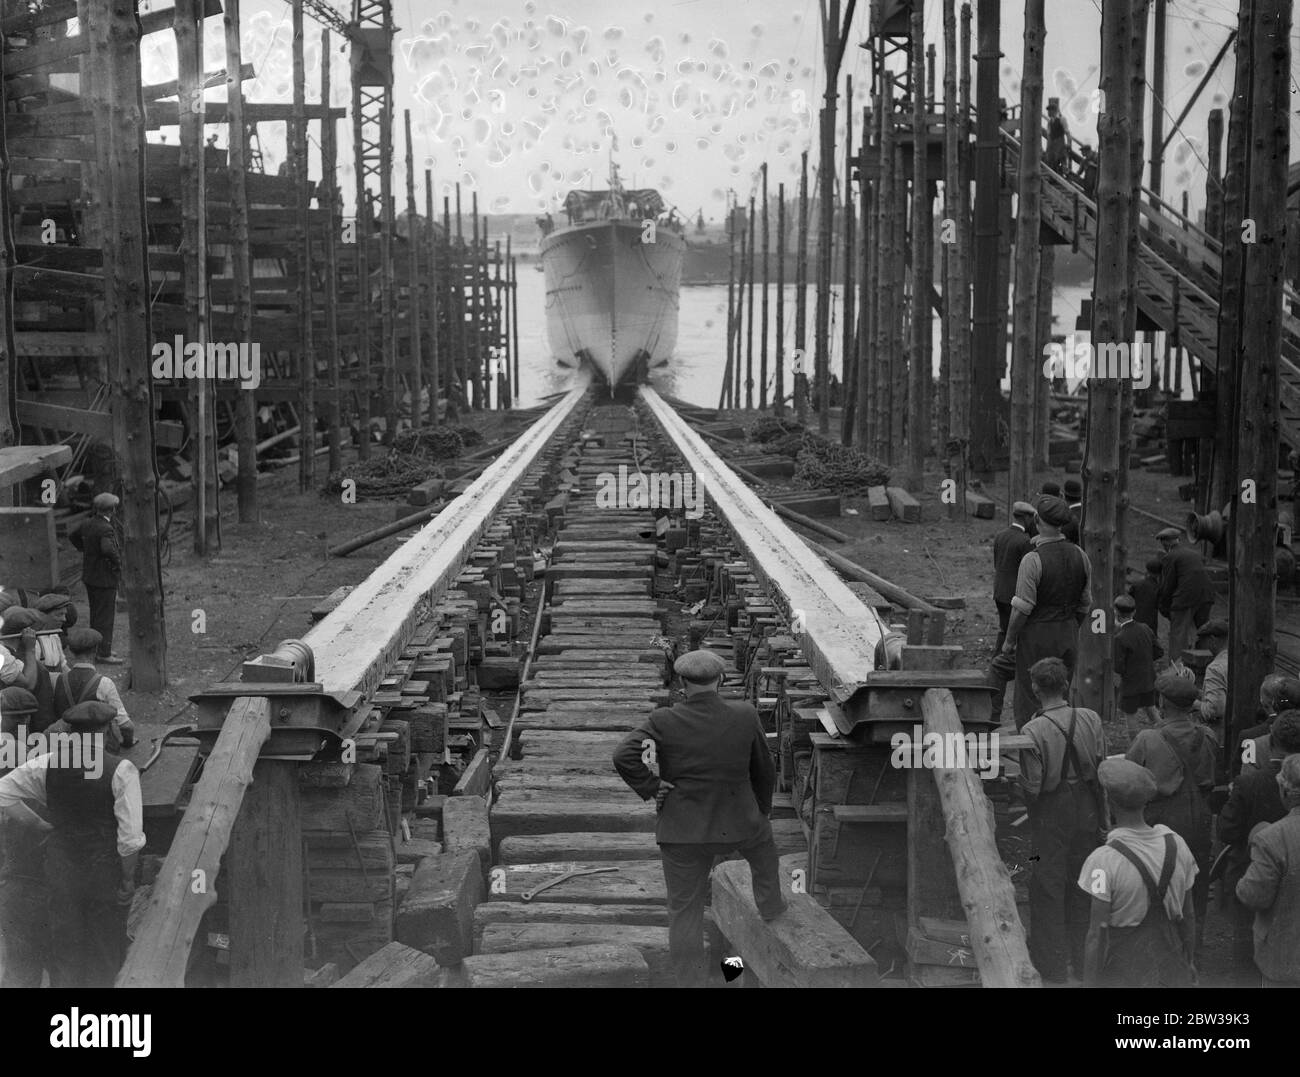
(547, 873)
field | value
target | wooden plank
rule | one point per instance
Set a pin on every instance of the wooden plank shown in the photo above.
(96, 424)
(466, 826)
(878, 500)
(650, 942)
(395, 965)
(436, 915)
(635, 881)
(576, 966)
(805, 947)
(160, 953)
(542, 848)
(903, 505)
(517, 913)
(18, 463)
(477, 776)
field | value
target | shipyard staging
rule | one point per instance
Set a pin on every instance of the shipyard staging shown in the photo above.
(912, 605)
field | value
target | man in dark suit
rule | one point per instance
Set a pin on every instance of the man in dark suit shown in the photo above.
(1186, 593)
(714, 795)
(101, 568)
(1134, 651)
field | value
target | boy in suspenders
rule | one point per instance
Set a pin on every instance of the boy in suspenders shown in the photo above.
(1143, 925)
(83, 684)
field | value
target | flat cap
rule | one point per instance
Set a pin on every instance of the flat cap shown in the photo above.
(1073, 489)
(1125, 603)
(1127, 784)
(1052, 510)
(90, 715)
(15, 700)
(1022, 508)
(1176, 688)
(1170, 533)
(82, 640)
(51, 602)
(104, 502)
(1049, 487)
(1215, 627)
(700, 667)
(16, 618)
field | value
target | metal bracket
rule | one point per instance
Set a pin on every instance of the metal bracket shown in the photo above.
(304, 717)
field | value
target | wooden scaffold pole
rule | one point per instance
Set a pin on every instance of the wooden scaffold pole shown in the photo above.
(413, 283)
(113, 69)
(1026, 364)
(431, 258)
(329, 201)
(920, 379)
(848, 353)
(188, 27)
(303, 264)
(778, 391)
(1094, 677)
(799, 377)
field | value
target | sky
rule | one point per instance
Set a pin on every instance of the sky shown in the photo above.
(523, 100)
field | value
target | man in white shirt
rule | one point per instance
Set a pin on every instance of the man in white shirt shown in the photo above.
(83, 683)
(92, 799)
(1143, 924)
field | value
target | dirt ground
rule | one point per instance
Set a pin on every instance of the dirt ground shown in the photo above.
(260, 588)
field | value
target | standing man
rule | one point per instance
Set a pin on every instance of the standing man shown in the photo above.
(101, 568)
(1059, 780)
(81, 683)
(1181, 754)
(1143, 920)
(1135, 650)
(1146, 594)
(1053, 596)
(1277, 693)
(1186, 594)
(1074, 498)
(1271, 886)
(714, 796)
(91, 854)
(1057, 156)
(1213, 706)
(1009, 548)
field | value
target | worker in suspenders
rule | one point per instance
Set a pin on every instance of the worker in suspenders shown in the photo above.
(83, 683)
(1059, 779)
(1142, 927)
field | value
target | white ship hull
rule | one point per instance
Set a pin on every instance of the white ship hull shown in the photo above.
(611, 300)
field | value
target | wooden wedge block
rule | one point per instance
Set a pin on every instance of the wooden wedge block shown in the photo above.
(437, 914)
(979, 506)
(903, 505)
(878, 500)
(650, 942)
(598, 966)
(395, 965)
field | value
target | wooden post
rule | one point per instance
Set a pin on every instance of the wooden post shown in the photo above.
(965, 248)
(800, 376)
(725, 400)
(8, 259)
(329, 201)
(1043, 336)
(825, 234)
(188, 27)
(1094, 677)
(1157, 99)
(113, 33)
(920, 379)
(434, 285)
(1137, 105)
(848, 356)
(1026, 365)
(365, 306)
(387, 225)
(1214, 174)
(264, 865)
(455, 388)
(479, 367)
(956, 283)
(1228, 349)
(989, 355)
(987, 894)
(778, 393)
(898, 347)
(413, 283)
(887, 284)
(464, 372)
(306, 329)
(750, 273)
(514, 318)
(504, 291)
(762, 348)
(240, 259)
(862, 338)
(737, 390)
(1253, 575)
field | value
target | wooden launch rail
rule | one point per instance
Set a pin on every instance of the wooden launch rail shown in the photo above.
(352, 647)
